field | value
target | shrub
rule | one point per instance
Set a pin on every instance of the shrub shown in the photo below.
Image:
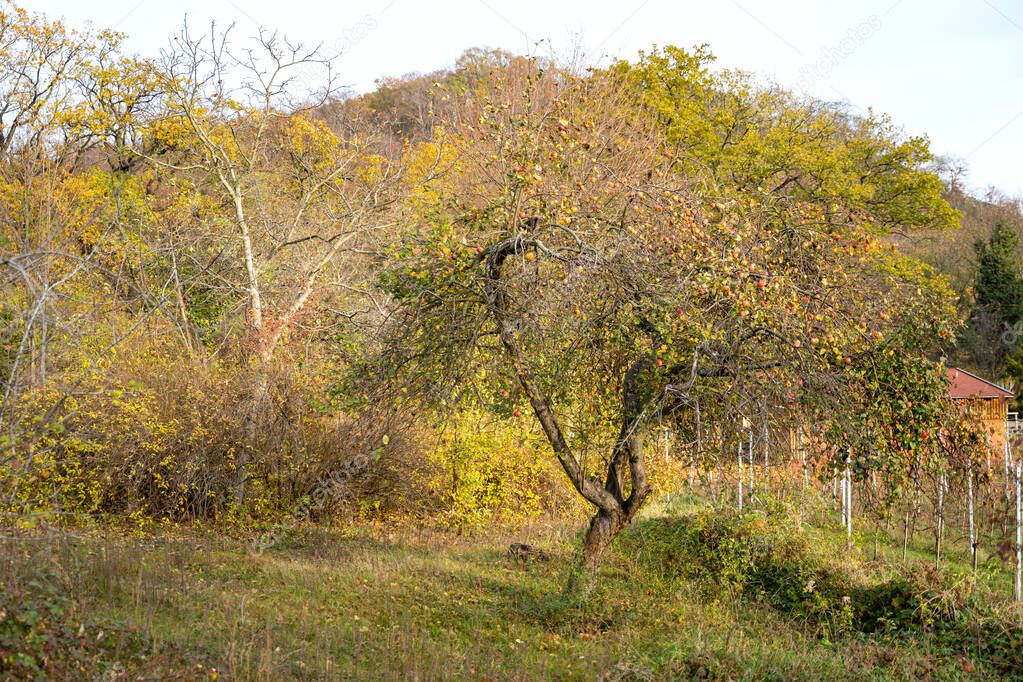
(757, 556)
(155, 436)
(486, 471)
(766, 558)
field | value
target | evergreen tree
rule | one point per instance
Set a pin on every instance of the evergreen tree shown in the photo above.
(999, 284)
(993, 337)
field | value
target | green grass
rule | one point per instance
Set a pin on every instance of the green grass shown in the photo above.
(372, 602)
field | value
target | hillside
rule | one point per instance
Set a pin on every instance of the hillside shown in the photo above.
(288, 375)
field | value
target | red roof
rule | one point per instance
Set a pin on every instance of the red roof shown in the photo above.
(962, 384)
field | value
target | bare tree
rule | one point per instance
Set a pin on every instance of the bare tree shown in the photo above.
(305, 200)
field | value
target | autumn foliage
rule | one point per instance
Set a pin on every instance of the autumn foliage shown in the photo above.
(505, 282)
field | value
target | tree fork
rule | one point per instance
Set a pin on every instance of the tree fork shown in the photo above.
(614, 509)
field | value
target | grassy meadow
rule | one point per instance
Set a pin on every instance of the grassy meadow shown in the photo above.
(366, 601)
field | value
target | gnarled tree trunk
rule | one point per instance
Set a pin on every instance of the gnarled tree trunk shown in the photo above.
(603, 529)
(615, 508)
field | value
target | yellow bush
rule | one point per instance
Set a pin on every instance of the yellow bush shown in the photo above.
(156, 435)
(491, 470)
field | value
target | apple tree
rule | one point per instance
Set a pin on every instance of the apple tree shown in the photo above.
(555, 251)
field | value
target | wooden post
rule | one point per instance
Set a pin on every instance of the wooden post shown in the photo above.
(765, 436)
(802, 458)
(834, 485)
(740, 475)
(905, 533)
(1019, 536)
(1008, 476)
(699, 435)
(750, 458)
(842, 500)
(914, 507)
(848, 497)
(969, 514)
(939, 520)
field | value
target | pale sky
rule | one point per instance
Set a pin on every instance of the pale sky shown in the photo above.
(950, 69)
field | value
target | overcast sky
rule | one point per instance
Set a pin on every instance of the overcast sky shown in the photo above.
(952, 70)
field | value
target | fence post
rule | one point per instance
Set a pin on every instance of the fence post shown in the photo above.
(802, 458)
(740, 475)
(969, 513)
(1019, 536)
(939, 521)
(848, 497)
(750, 462)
